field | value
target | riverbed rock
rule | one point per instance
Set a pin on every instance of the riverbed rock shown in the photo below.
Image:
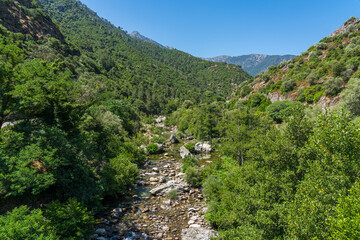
(101, 231)
(173, 139)
(163, 189)
(160, 119)
(197, 233)
(184, 152)
(202, 147)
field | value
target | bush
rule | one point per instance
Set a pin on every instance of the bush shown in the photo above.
(288, 86)
(158, 139)
(245, 91)
(190, 146)
(193, 176)
(172, 194)
(350, 97)
(22, 223)
(71, 220)
(189, 161)
(281, 109)
(333, 86)
(152, 148)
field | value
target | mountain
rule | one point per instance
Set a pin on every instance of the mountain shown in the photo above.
(152, 72)
(137, 35)
(253, 63)
(322, 75)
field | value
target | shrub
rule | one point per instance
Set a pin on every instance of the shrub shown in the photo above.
(172, 194)
(350, 97)
(281, 109)
(22, 223)
(152, 148)
(158, 139)
(190, 146)
(245, 91)
(189, 161)
(333, 86)
(193, 176)
(71, 220)
(288, 86)
(119, 174)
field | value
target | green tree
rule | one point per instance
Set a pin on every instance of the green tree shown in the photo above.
(21, 223)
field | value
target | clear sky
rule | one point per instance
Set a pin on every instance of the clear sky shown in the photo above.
(209, 28)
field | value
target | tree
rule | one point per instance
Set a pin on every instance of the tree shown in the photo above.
(350, 97)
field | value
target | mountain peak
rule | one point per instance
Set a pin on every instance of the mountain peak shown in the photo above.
(137, 35)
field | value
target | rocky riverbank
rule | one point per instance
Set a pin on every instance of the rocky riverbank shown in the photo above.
(164, 206)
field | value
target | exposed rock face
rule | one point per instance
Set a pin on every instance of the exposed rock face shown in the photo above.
(173, 139)
(346, 27)
(198, 233)
(202, 147)
(184, 152)
(15, 19)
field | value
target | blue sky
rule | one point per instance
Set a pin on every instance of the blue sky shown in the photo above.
(208, 28)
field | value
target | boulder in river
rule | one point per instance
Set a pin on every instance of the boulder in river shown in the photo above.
(163, 189)
(173, 139)
(184, 152)
(202, 147)
(197, 233)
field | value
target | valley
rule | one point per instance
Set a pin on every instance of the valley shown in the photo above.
(107, 136)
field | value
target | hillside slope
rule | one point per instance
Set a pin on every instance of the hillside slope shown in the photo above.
(253, 63)
(317, 76)
(144, 65)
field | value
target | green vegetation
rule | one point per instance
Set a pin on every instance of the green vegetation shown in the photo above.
(71, 114)
(152, 148)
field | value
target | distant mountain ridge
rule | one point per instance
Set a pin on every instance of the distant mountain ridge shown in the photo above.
(137, 35)
(253, 63)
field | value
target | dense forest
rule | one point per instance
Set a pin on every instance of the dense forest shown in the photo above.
(76, 94)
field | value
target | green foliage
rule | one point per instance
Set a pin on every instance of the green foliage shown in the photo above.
(244, 91)
(190, 146)
(350, 97)
(120, 174)
(172, 194)
(22, 223)
(281, 109)
(189, 161)
(71, 220)
(345, 224)
(158, 139)
(152, 148)
(333, 86)
(332, 156)
(288, 86)
(193, 176)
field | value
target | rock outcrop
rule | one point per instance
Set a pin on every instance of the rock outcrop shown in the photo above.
(184, 152)
(202, 147)
(173, 139)
(197, 232)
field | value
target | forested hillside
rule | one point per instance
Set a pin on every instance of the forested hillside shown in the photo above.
(317, 76)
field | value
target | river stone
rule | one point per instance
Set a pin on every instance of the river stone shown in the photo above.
(101, 231)
(173, 139)
(165, 188)
(184, 152)
(202, 147)
(160, 119)
(197, 233)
